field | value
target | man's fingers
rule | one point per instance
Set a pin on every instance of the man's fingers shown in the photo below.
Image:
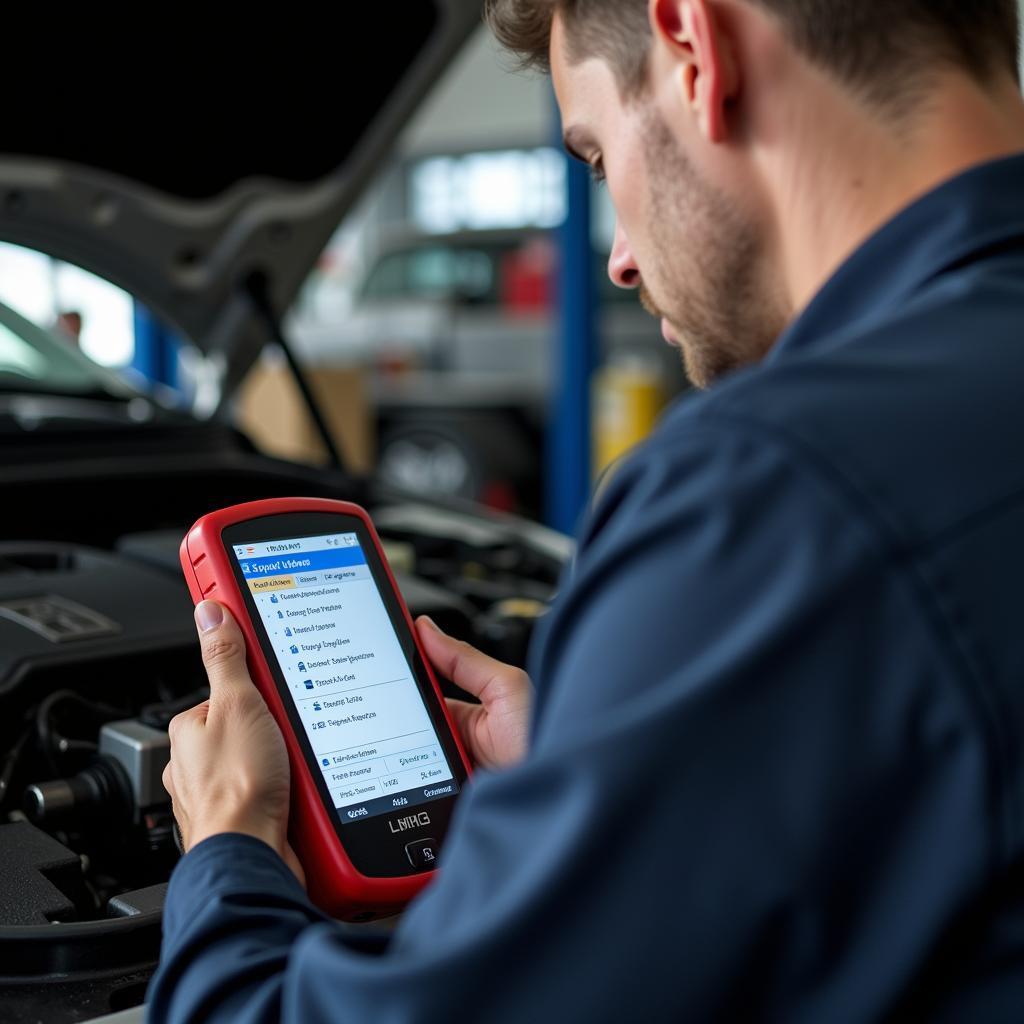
(464, 665)
(223, 650)
(462, 712)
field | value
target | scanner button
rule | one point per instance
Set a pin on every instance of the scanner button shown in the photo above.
(422, 854)
(204, 577)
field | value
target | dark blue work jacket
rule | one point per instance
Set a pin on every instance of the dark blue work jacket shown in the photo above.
(777, 761)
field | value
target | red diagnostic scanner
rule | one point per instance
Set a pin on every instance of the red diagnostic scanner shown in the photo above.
(376, 762)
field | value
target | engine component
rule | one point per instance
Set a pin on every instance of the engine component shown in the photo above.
(142, 901)
(122, 783)
(63, 604)
(37, 876)
(99, 793)
(143, 753)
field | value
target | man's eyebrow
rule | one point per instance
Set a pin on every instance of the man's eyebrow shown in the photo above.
(574, 139)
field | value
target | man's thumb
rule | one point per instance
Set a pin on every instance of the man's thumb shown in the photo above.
(223, 647)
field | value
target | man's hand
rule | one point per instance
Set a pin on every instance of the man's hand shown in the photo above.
(495, 731)
(229, 768)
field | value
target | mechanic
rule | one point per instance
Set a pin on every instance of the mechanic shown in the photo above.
(775, 764)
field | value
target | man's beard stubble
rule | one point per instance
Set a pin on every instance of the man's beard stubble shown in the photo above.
(713, 273)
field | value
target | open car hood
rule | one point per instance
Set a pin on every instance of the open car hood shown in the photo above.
(183, 160)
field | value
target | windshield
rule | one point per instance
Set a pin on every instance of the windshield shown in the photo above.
(36, 360)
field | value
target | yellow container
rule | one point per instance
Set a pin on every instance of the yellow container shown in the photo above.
(628, 397)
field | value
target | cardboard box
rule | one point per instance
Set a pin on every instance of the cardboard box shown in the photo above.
(271, 410)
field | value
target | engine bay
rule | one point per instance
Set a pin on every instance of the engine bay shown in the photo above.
(98, 651)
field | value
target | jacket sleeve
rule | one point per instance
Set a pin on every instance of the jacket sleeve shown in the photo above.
(755, 790)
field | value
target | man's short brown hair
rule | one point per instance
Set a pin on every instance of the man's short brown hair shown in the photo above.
(881, 48)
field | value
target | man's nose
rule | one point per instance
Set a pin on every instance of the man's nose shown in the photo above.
(622, 268)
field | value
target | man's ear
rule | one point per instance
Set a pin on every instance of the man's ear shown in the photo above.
(694, 36)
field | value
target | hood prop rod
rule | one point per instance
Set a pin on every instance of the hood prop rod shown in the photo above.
(255, 286)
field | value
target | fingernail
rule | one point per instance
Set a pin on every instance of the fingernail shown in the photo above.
(209, 614)
(432, 624)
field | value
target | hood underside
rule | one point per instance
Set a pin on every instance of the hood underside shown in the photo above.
(181, 159)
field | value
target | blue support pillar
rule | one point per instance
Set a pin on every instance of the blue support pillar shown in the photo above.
(156, 349)
(568, 476)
